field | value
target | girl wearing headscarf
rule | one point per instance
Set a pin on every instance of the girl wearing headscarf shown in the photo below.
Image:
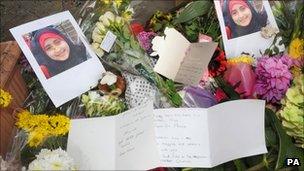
(242, 18)
(55, 52)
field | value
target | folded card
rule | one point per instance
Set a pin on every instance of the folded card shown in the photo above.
(179, 59)
(143, 138)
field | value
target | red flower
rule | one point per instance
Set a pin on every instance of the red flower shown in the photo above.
(136, 28)
(220, 95)
(218, 63)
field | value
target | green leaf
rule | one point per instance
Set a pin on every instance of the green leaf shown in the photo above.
(271, 138)
(286, 148)
(276, 50)
(227, 88)
(240, 166)
(192, 10)
(157, 27)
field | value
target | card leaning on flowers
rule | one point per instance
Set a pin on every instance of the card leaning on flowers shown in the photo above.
(236, 105)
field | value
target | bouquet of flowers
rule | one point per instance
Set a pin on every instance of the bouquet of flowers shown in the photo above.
(274, 77)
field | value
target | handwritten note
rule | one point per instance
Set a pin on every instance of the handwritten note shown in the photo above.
(177, 137)
(108, 41)
(135, 137)
(195, 61)
(115, 142)
(143, 138)
(186, 61)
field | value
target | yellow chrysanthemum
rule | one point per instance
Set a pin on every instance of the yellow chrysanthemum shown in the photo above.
(296, 48)
(241, 59)
(106, 1)
(60, 124)
(5, 98)
(35, 138)
(40, 127)
(117, 3)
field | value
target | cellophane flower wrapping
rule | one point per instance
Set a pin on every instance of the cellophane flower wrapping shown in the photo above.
(243, 75)
(12, 160)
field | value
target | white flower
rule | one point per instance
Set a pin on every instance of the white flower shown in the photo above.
(106, 18)
(130, 9)
(97, 31)
(108, 78)
(97, 38)
(96, 48)
(93, 95)
(100, 26)
(118, 19)
(268, 31)
(99, 52)
(52, 160)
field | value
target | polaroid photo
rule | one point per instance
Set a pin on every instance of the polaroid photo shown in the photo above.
(241, 22)
(60, 56)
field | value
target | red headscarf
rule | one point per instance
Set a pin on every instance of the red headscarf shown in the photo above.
(234, 2)
(47, 35)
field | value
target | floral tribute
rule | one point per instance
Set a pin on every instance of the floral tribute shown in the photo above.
(274, 76)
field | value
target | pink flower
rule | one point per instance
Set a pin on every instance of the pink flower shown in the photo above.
(273, 78)
(244, 74)
(220, 95)
(145, 39)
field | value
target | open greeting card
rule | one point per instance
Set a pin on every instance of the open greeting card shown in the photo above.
(143, 138)
(181, 60)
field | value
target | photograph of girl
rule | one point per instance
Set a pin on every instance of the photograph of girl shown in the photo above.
(243, 17)
(56, 48)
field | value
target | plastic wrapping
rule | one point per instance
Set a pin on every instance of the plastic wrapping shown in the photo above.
(198, 97)
(139, 90)
(244, 74)
(12, 160)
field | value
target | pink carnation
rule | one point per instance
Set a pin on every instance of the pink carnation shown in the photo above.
(145, 39)
(273, 78)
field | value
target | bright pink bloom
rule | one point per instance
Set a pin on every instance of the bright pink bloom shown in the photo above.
(273, 78)
(244, 74)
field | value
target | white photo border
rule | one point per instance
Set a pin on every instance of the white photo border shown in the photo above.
(251, 43)
(71, 83)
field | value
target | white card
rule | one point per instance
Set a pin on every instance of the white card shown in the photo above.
(115, 143)
(181, 60)
(178, 137)
(108, 42)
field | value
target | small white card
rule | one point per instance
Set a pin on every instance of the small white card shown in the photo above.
(143, 138)
(108, 42)
(57, 50)
(181, 60)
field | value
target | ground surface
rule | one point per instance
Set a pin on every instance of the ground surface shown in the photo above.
(16, 12)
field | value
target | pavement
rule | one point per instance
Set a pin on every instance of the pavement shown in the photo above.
(17, 12)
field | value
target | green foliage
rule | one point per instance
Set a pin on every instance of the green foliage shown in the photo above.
(289, 19)
(202, 21)
(286, 147)
(227, 88)
(96, 105)
(273, 48)
(193, 10)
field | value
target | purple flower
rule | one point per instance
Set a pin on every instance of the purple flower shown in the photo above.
(198, 97)
(145, 39)
(273, 78)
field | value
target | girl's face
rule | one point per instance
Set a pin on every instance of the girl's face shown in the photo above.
(57, 49)
(241, 15)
